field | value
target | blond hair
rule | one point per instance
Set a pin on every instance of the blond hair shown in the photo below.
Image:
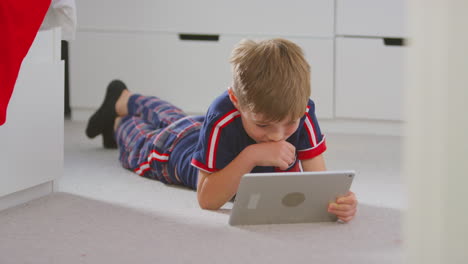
(271, 78)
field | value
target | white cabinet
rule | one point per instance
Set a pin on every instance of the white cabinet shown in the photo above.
(355, 76)
(189, 74)
(141, 44)
(370, 59)
(31, 140)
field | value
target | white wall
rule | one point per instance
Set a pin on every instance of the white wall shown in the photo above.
(436, 149)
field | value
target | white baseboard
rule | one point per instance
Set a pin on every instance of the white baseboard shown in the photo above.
(27, 195)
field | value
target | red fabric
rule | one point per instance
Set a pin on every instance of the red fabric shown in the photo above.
(19, 22)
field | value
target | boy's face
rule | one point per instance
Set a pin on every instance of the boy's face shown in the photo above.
(259, 129)
(262, 131)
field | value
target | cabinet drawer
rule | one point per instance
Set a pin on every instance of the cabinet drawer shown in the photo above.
(369, 79)
(294, 17)
(385, 18)
(188, 73)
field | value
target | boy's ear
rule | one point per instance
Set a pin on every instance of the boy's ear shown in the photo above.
(233, 98)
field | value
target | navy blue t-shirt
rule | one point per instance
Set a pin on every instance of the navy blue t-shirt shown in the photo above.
(222, 137)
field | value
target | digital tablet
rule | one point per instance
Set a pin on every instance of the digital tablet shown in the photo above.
(288, 197)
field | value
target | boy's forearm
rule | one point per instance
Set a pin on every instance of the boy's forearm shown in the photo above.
(315, 164)
(215, 189)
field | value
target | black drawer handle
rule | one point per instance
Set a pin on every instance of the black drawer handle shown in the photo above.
(394, 42)
(199, 37)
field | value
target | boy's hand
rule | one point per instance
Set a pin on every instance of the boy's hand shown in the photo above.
(278, 154)
(345, 207)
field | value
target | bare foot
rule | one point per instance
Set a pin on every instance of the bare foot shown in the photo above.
(117, 122)
(121, 105)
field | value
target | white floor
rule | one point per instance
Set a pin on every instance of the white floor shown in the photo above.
(376, 160)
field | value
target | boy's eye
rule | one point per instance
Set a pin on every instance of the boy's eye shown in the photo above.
(261, 125)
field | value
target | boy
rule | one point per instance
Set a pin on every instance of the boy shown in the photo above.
(264, 122)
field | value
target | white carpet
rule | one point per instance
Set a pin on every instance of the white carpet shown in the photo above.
(105, 214)
(64, 228)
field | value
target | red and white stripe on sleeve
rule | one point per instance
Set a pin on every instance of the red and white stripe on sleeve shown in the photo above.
(213, 141)
(316, 147)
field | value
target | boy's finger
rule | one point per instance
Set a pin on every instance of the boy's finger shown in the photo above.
(284, 165)
(350, 198)
(341, 207)
(346, 213)
(346, 201)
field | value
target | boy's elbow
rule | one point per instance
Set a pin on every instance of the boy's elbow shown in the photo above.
(205, 196)
(206, 204)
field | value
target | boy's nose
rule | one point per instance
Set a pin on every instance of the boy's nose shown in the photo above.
(275, 137)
